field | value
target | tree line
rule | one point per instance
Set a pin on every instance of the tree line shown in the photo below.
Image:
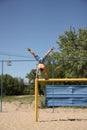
(69, 61)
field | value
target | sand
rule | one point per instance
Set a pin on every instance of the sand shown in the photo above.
(20, 116)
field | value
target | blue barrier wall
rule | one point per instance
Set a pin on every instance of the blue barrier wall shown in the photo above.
(66, 95)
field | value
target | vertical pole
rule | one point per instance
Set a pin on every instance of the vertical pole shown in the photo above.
(53, 83)
(1, 85)
(53, 71)
(36, 100)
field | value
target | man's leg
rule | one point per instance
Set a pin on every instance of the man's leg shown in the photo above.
(31, 52)
(35, 56)
(49, 51)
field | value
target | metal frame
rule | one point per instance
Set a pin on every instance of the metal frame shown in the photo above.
(2, 71)
(52, 80)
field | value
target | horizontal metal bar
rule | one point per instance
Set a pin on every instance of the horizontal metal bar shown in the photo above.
(63, 80)
(16, 60)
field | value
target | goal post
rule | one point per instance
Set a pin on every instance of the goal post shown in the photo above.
(52, 80)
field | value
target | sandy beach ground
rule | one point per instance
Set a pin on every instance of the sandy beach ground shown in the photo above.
(19, 116)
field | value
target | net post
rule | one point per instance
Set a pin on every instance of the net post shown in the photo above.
(52, 80)
(36, 100)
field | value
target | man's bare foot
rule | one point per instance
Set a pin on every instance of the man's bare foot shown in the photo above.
(53, 48)
(28, 49)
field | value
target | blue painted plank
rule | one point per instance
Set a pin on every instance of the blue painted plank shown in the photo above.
(67, 95)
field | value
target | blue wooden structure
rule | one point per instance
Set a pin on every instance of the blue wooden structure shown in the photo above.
(66, 95)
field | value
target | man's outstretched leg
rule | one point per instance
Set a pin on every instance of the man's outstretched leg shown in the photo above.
(31, 52)
(49, 51)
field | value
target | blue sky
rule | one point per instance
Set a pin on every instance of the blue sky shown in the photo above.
(35, 24)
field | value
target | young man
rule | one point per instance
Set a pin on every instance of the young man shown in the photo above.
(41, 67)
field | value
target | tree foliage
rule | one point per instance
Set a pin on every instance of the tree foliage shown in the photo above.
(73, 53)
(12, 86)
(31, 76)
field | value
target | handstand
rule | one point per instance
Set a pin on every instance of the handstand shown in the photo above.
(41, 67)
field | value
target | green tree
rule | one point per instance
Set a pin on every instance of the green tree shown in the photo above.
(12, 86)
(73, 45)
(31, 79)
